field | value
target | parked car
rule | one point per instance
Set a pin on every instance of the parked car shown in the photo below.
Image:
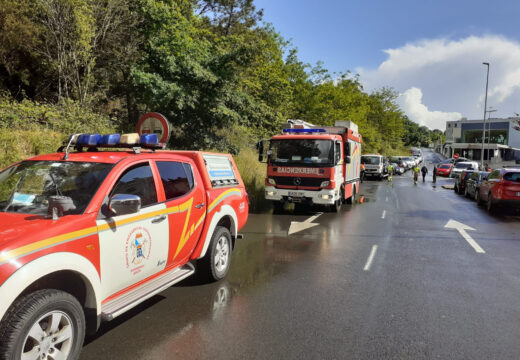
(461, 166)
(460, 183)
(473, 183)
(444, 169)
(397, 169)
(410, 162)
(500, 189)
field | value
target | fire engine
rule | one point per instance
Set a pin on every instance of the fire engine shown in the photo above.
(309, 164)
(86, 235)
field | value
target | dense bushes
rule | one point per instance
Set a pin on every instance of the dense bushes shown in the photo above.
(28, 128)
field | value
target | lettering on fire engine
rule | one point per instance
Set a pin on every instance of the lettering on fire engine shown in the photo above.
(291, 170)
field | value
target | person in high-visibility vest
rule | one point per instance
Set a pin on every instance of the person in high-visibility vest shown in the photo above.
(362, 172)
(416, 174)
(390, 172)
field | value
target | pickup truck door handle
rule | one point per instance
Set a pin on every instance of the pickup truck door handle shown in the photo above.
(159, 219)
(199, 206)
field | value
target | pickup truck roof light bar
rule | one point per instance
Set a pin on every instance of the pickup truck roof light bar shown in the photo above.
(112, 141)
(293, 130)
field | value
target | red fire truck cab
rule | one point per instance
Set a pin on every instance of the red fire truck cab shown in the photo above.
(311, 164)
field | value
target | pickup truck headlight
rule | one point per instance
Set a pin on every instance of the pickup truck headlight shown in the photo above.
(269, 193)
(271, 181)
(325, 183)
(325, 197)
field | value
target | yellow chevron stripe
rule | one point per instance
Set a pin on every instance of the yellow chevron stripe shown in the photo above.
(30, 248)
(53, 241)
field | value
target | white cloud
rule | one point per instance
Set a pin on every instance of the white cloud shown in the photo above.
(411, 103)
(450, 75)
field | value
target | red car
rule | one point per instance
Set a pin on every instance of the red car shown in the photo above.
(501, 189)
(444, 169)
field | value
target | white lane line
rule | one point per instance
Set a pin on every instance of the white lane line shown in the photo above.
(370, 258)
(383, 215)
(386, 199)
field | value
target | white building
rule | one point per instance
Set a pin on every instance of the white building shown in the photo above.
(501, 140)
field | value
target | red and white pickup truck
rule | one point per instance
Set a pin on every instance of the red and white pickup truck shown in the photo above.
(87, 235)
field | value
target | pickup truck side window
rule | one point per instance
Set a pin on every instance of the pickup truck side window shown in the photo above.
(137, 180)
(176, 177)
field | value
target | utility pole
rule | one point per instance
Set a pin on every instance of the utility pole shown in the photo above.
(489, 129)
(484, 124)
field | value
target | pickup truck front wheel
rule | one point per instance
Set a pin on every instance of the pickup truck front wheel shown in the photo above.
(46, 324)
(216, 262)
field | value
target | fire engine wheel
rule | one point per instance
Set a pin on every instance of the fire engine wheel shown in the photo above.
(46, 324)
(352, 199)
(216, 262)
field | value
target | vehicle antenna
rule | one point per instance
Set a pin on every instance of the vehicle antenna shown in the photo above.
(66, 156)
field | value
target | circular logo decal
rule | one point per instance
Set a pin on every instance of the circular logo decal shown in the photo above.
(137, 249)
(297, 181)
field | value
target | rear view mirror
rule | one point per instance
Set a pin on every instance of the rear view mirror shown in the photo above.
(123, 204)
(261, 148)
(348, 159)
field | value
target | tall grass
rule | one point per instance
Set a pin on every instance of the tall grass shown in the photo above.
(253, 173)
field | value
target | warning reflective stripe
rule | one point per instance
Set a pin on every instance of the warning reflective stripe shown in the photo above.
(45, 244)
(75, 235)
(79, 234)
(225, 195)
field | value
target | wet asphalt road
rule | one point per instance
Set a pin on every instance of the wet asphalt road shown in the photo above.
(425, 294)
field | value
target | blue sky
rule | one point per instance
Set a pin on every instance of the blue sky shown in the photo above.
(353, 35)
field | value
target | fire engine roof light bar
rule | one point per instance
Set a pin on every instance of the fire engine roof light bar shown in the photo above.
(304, 130)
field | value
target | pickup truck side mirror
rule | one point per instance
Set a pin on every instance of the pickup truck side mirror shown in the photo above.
(348, 159)
(123, 204)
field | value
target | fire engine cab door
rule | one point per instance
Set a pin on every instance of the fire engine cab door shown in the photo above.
(185, 201)
(134, 246)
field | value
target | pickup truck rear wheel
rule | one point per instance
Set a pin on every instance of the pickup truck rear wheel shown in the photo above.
(216, 262)
(46, 324)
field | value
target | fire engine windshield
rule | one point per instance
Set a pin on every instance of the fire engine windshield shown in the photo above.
(28, 187)
(300, 152)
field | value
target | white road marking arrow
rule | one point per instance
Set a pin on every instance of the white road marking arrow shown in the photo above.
(302, 225)
(461, 228)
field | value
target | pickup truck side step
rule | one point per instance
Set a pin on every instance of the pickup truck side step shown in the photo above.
(125, 302)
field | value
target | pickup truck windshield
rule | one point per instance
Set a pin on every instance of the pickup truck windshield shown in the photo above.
(26, 187)
(307, 152)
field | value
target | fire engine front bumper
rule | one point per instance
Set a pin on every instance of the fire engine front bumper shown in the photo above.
(323, 196)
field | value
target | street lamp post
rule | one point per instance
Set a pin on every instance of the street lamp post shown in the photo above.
(489, 131)
(484, 124)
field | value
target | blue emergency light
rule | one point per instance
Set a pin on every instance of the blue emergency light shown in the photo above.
(110, 140)
(89, 140)
(304, 130)
(149, 139)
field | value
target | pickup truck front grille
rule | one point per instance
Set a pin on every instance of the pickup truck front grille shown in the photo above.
(293, 181)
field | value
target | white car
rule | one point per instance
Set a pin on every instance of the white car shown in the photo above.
(459, 167)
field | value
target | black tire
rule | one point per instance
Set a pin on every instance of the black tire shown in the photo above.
(34, 311)
(212, 270)
(478, 199)
(352, 199)
(491, 208)
(278, 207)
(466, 193)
